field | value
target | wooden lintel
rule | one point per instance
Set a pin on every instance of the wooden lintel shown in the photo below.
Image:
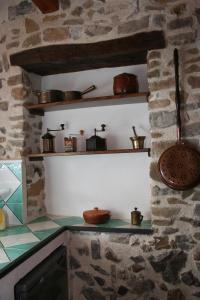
(47, 6)
(54, 59)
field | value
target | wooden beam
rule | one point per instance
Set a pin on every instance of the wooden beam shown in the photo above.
(47, 6)
(53, 59)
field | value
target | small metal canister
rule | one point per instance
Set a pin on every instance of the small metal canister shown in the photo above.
(48, 143)
(70, 144)
(136, 217)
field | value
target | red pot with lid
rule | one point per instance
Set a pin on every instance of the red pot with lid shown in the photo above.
(125, 83)
(96, 216)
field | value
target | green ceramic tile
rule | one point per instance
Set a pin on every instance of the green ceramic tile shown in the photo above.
(43, 234)
(69, 221)
(113, 223)
(16, 197)
(40, 219)
(17, 209)
(14, 253)
(24, 246)
(2, 265)
(16, 168)
(14, 230)
(2, 203)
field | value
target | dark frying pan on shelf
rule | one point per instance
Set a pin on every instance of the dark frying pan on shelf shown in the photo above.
(73, 95)
(179, 165)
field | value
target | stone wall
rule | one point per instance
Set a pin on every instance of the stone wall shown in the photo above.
(165, 265)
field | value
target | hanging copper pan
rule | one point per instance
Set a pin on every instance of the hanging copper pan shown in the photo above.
(179, 165)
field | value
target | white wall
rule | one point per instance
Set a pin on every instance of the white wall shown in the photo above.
(116, 182)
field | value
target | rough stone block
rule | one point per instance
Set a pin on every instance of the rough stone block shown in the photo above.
(110, 255)
(11, 45)
(5, 61)
(14, 80)
(77, 11)
(91, 294)
(197, 12)
(184, 242)
(157, 104)
(97, 30)
(175, 294)
(19, 93)
(85, 277)
(180, 23)
(133, 26)
(31, 25)
(65, 4)
(36, 188)
(55, 34)
(193, 69)
(182, 38)
(194, 82)
(165, 212)
(162, 119)
(178, 9)
(23, 8)
(2, 151)
(191, 130)
(33, 40)
(95, 249)
(3, 106)
(161, 84)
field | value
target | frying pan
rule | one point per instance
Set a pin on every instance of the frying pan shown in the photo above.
(49, 96)
(72, 95)
(179, 165)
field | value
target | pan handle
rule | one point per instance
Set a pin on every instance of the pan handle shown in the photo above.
(91, 88)
(177, 94)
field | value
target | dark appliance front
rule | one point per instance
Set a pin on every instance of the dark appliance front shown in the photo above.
(47, 281)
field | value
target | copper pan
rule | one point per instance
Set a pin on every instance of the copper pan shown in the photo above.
(73, 95)
(179, 165)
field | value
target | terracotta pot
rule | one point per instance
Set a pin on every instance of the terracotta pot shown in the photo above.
(125, 83)
(96, 216)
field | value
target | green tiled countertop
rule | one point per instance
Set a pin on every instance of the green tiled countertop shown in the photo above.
(16, 241)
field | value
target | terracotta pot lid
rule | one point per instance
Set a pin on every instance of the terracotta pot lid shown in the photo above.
(97, 212)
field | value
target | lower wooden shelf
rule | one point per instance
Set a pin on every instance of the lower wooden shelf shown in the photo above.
(40, 156)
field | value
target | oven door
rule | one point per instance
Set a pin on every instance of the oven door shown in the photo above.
(47, 281)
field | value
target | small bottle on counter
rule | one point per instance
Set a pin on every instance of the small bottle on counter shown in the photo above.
(81, 143)
(2, 219)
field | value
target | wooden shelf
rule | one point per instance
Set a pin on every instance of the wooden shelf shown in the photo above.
(39, 109)
(40, 156)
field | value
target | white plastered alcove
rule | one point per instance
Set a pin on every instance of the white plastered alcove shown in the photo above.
(118, 182)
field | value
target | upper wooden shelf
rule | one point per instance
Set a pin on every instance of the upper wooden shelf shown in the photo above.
(40, 156)
(39, 109)
(54, 59)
